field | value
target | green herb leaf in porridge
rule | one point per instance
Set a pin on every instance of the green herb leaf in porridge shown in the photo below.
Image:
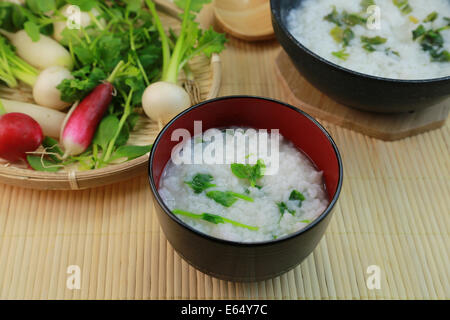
(341, 54)
(369, 43)
(431, 17)
(297, 196)
(342, 36)
(374, 40)
(227, 198)
(213, 218)
(389, 52)
(432, 41)
(367, 3)
(418, 32)
(333, 17)
(352, 19)
(403, 6)
(249, 172)
(282, 207)
(201, 182)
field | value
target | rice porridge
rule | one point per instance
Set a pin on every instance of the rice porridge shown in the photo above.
(412, 42)
(239, 201)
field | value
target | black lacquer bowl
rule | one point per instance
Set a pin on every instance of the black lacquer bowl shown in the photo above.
(358, 90)
(247, 261)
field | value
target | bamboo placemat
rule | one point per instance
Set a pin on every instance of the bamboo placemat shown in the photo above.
(393, 212)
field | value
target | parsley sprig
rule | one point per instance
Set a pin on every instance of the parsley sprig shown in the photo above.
(227, 198)
(200, 182)
(249, 172)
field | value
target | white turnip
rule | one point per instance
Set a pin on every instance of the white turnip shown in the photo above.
(162, 101)
(45, 91)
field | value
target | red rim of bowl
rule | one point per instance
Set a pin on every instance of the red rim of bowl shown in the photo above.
(316, 221)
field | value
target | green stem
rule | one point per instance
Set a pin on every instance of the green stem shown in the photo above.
(115, 72)
(123, 119)
(174, 66)
(12, 67)
(241, 196)
(162, 35)
(29, 79)
(2, 108)
(219, 219)
(97, 23)
(139, 63)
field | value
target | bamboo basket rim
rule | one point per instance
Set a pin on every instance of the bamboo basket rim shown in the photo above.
(77, 180)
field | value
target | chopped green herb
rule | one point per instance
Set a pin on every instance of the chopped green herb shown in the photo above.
(369, 43)
(200, 182)
(342, 36)
(247, 171)
(337, 33)
(333, 17)
(418, 32)
(282, 207)
(432, 42)
(443, 56)
(297, 196)
(403, 6)
(389, 51)
(241, 196)
(213, 219)
(367, 3)
(352, 19)
(431, 17)
(341, 54)
(348, 36)
(227, 198)
(349, 19)
(305, 221)
(447, 20)
(374, 40)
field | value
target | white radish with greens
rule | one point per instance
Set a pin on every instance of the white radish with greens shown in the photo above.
(163, 100)
(45, 92)
(42, 53)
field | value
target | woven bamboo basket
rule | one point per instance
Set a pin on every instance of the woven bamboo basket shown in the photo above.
(206, 85)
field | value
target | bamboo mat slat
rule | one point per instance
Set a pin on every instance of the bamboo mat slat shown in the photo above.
(393, 212)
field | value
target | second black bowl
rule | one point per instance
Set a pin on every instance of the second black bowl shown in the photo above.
(358, 90)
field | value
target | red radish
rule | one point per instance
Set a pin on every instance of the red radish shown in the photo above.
(83, 121)
(19, 134)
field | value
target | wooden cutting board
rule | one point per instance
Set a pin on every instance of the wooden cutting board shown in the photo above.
(381, 126)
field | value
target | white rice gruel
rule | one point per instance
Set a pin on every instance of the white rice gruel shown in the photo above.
(296, 171)
(307, 25)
